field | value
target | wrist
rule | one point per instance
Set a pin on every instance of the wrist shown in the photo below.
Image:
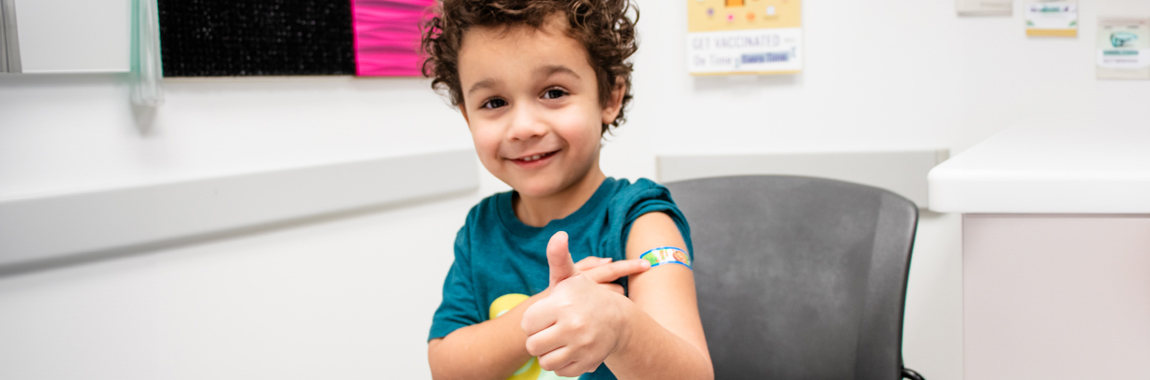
(626, 326)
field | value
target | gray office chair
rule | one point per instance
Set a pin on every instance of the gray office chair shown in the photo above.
(799, 277)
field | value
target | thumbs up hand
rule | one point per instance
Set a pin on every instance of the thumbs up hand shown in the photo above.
(559, 259)
(581, 321)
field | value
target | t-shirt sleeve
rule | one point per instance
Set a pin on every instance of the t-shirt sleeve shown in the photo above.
(458, 308)
(644, 197)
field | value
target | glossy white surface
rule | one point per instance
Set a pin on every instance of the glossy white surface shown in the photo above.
(1072, 164)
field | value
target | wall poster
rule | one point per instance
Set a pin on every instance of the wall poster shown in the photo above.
(1052, 18)
(1123, 49)
(744, 37)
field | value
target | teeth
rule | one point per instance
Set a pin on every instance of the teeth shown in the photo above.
(532, 158)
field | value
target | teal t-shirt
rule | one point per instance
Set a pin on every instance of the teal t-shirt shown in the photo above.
(499, 261)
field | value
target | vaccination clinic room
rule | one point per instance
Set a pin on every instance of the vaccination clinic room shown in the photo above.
(562, 189)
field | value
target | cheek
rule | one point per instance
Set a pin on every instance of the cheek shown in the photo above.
(580, 128)
(486, 142)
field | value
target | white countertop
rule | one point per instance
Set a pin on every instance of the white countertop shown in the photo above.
(1078, 164)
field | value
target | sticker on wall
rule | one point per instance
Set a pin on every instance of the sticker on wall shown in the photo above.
(1123, 49)
(387, 36)
(744, 37)
(1052, 18)
(984, 7)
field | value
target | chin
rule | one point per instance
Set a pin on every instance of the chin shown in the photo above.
(536, 188)
(539, 186)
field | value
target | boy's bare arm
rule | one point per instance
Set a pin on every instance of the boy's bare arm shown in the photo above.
(674, 346)
(495, 349)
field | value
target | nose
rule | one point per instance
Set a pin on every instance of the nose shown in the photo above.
(526, 124)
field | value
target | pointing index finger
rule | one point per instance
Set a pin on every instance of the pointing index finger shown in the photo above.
(613, 271)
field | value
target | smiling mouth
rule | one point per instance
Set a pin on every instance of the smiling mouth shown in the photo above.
(536, 157)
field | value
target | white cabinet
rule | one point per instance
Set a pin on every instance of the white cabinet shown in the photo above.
(66, 36)
(1055, 247)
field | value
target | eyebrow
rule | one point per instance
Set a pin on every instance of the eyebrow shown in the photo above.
(486, 83)
(549, 70)
(543, 72)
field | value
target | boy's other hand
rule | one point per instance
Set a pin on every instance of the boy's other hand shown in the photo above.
(591, 262)
(598, 269)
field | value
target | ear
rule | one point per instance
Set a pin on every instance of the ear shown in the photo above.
(614, 102)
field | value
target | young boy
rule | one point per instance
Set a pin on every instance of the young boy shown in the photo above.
(539, 82)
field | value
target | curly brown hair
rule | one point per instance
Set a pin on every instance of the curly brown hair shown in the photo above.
(602, 26)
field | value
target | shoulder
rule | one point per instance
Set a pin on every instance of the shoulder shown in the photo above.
(634, 199)
(487, 209)
(484, 213)
(642, 190)
(652, 203)
(641, 184)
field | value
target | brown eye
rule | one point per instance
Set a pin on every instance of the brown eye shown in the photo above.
(494, 103)
(554, 93)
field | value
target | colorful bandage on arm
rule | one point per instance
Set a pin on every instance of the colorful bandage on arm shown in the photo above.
(666, 255)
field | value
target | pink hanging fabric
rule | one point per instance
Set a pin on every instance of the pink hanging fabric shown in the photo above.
(387, 36)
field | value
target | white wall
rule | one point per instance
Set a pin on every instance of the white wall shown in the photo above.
(352, 297)
(78, 131)
(73, 36)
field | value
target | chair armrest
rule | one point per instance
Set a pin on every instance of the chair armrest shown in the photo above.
(908, 373)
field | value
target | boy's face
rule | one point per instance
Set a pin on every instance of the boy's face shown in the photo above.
(531, 101)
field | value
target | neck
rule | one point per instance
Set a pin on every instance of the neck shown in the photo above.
(538, 211)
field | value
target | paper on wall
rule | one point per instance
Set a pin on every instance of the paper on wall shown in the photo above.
(984, 7)
(1052, 18)
(1123, 49)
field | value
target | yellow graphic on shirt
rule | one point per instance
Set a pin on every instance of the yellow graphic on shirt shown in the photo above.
(531, 370)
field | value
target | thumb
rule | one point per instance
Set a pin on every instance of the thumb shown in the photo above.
(559, 259)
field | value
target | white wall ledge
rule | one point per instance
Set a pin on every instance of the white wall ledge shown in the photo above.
(901, 171)
(45, 228)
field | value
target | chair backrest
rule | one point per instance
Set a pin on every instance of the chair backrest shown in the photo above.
(799, 277)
